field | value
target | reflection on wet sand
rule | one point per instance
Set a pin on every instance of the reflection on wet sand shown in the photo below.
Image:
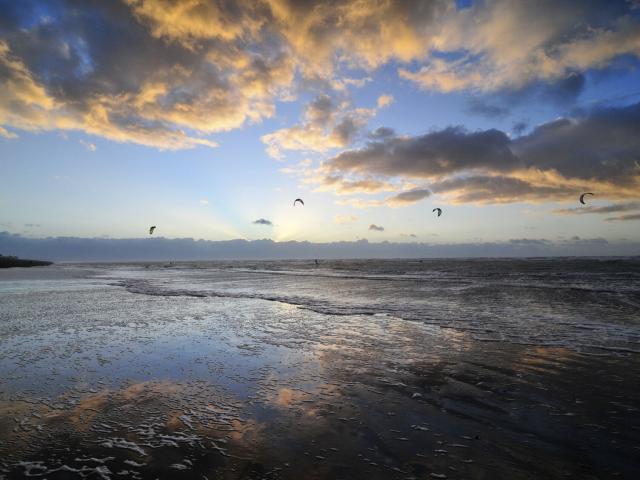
(245, 388)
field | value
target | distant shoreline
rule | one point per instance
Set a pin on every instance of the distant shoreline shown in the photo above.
(10, 262)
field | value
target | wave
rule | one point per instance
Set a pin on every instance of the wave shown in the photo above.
(587, 337)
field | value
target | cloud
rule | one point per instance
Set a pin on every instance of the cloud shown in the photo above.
(597, 150)
(519, 127)
(376, 228)
(342, 186)
(631, 216)
(601, 144)
(321, 110)
(565, 90)
(99, 68)
(495, 44)
(359, 203)
(433, 154)
(403, 199)
(345, 219)
(384, 101)
(501, 189)
(204, 201)
(410, 235)
(498, 104)
(169, 75)
(189, 22)
(381, 132)
(326, 125)
(163, 249)
(481, 107)
(616, 207)
(341, 84)
(360, 34)
(7, 134)
(89, 146)
(633, 207)
(263, 221)
(407, 198)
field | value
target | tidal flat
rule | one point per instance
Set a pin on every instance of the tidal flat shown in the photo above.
(258, 371)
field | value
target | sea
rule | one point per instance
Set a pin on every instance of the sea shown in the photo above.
(421, 368)
(588, 304)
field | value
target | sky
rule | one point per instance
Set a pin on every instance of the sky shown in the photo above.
(207, 118)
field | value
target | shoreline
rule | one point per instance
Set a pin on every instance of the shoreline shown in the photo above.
(14, 262)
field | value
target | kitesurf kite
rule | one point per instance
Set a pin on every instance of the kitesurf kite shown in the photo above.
(151, 230)
(582, 197)
(298, 200)
(439, 210)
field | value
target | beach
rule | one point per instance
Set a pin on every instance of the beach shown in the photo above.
(403, 369)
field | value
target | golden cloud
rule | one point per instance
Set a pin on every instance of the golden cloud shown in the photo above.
(189, 21)
(503, 48)
(25, 104)
(167, 74)
(345, 219)
(326, 125)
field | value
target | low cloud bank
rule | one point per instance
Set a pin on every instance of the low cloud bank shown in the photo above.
(160, 248)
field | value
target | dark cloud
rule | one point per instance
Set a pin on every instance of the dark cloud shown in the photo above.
(376, 228)
(560, 92)
(438, 153)
(262, 221)
(346, 130)
(597, 149)
(498, 105)
(564, 91)
(409, 197)
(381, 133)
(519, 127)
(601, 144)
(320, 111)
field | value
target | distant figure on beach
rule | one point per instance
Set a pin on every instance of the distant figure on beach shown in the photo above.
(316, 262)
(582, 197)
(151, 230)
(439, 210)
(298, 200)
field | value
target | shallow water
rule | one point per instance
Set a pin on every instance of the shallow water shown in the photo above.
(584, 304)
(392, 369)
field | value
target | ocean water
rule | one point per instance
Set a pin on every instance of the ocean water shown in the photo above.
(590, 305)
(349, 369)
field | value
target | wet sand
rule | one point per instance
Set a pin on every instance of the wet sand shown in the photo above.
(115, 384)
